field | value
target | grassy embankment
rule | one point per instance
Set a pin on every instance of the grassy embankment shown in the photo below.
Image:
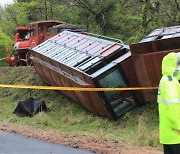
(139, 126)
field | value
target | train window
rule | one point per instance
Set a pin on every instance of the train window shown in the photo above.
(177, 34)
(149, 39)
(52, 30)
(167, 36)
(33, 30)
(23, 34)
(112, 80)
(40, 31)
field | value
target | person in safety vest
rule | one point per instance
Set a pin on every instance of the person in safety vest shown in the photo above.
(169, 104)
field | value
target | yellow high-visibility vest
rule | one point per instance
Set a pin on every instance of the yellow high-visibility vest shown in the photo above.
(169, 102)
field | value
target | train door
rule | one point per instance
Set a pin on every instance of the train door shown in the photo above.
(41, 33)
(33, 36)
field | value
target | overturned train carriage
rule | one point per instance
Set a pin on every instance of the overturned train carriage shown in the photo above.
(147, 57)
(76, 60)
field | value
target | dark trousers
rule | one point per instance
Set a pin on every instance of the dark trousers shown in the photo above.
(172, 149)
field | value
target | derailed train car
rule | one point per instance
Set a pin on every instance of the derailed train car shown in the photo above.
(147, 57)
(78, 60)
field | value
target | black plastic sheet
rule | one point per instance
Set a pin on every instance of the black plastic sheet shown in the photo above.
(30, 107)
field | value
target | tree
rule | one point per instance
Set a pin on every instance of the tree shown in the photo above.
(5, 41)
(128, 20)
(95, 13)
(14, 16)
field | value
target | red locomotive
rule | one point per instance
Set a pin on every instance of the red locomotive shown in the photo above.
(29, 37)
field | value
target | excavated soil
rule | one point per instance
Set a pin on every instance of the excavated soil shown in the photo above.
(103, 147)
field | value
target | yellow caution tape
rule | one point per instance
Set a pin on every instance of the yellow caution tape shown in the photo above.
(75, 88)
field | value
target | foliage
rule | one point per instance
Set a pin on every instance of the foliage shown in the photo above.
(128, 20)
(5, 42)
(15, 15)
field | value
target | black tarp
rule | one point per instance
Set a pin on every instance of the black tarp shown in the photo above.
(30, 107)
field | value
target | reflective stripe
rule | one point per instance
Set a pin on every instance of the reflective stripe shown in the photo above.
(159, 89)
(171, 101)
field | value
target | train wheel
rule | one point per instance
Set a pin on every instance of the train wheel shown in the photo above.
(28, 59)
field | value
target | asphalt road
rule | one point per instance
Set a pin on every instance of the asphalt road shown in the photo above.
(15, 144)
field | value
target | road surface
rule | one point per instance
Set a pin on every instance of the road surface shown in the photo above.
(15, 144)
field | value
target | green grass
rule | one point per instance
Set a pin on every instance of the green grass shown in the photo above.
(139, 126)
